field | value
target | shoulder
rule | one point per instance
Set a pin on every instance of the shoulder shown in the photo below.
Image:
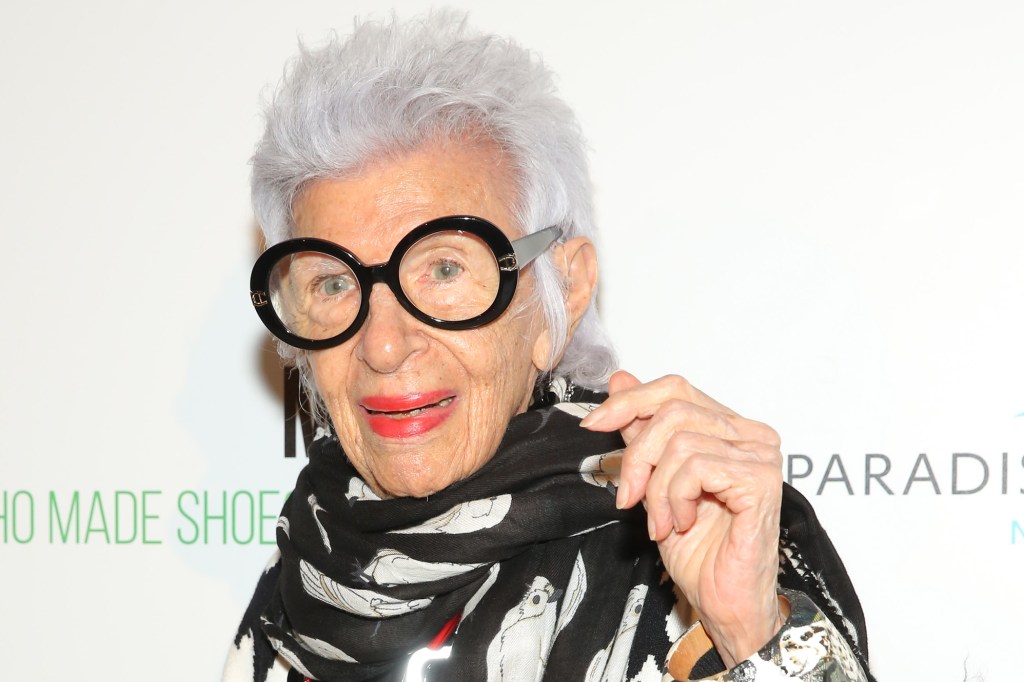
(252, 657)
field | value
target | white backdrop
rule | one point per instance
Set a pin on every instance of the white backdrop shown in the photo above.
(812, 210)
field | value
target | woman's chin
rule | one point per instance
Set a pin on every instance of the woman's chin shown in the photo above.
(403, 487)
(415, 475)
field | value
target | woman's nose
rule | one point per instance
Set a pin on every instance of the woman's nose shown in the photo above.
(390, 335)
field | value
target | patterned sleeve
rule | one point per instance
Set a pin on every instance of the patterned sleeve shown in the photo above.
(807, 648)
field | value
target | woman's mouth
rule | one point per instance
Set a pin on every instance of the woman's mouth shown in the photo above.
(409, 415)
(405, 414)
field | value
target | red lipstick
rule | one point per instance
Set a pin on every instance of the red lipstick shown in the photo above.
(405, 416)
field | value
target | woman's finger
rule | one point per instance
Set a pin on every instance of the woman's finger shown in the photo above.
(698, 465)
(631, 401)
(689, 427)
(675, 420)
(619, 382)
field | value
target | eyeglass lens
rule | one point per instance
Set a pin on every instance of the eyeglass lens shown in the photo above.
(450, 275)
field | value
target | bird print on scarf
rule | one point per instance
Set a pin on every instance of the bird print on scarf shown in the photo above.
(467, 517)
(609, 664)
(519, 652)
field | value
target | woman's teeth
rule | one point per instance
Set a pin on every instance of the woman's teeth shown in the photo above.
(419, 410)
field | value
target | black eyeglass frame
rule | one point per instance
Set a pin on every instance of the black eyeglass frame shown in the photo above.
(511, 256)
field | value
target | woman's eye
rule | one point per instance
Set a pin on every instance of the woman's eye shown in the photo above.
(445, 270)
(334, 286)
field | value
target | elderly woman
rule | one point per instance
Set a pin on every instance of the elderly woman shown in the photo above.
(430, 271)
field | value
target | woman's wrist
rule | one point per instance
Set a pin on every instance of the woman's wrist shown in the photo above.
(736, 644)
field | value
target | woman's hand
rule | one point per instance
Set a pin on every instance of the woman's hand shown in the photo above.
(712, 485)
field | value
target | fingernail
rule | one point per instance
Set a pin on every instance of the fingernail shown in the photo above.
(622, 496)
(590, 419)
(652, 529)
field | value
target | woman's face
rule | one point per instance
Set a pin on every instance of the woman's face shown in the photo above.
(418, 408)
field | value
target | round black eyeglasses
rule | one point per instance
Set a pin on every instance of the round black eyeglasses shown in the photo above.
(456, 272)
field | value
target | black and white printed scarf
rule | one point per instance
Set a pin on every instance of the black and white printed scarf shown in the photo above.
(528, 557)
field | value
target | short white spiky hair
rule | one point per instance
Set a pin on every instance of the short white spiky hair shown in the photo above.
(391, 87)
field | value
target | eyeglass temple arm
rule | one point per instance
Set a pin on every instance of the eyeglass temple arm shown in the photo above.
(532, 245)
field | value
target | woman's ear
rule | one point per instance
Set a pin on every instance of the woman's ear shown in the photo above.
(576, 261)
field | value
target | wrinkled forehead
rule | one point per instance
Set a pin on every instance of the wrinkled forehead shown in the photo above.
(369, 212)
